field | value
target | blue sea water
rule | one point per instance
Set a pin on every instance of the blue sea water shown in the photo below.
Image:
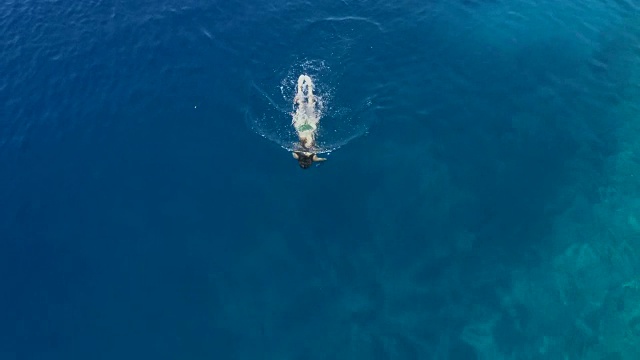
(481, 200)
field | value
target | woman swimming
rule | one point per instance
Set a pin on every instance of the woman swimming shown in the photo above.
(305, 121)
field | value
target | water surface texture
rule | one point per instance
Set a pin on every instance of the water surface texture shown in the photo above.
(481, 198)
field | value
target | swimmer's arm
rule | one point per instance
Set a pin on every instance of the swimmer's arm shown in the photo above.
(316, 158)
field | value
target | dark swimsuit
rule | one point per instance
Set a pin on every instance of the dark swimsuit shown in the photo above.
(303, 159)
(303, 156)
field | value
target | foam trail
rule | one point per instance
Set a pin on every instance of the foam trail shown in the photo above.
(307, 112)
(306, 116)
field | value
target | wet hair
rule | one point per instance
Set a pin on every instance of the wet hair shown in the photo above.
(305, 161)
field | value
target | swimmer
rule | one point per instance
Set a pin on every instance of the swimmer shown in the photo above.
(305, 121)
(305, 159)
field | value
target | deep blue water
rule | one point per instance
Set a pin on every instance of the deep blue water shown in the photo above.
(483, 202)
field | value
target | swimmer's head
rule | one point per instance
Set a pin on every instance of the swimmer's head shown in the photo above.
(304, 160)
(305, 163)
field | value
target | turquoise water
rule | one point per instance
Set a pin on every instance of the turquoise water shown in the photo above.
(480, 198)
